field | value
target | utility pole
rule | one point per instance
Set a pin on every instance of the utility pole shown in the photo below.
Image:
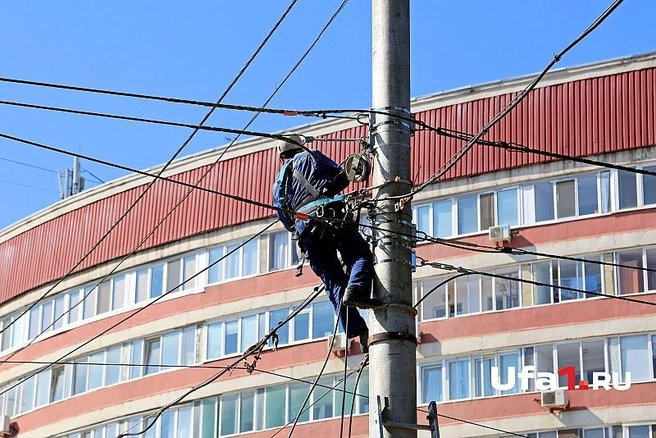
(392, 352)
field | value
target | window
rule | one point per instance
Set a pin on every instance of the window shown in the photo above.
(57, 383)
(302, 325)
(322, 406)
(509, 363)
(468, 294)
(152, 356)
(323, 319)
(190, 268)
(297, 394)
(458, 378)
(443, 218)
(173, 276)
(483, 376)
(275, 406)
(588, 202)
(627, 189)
(434, 305)
(649, 186)
(113, 370)
(630, 276)
(247, 411)
(506, 290)
(508, 207)
(282, 251)
(544, 201)
(80, 376)
(467, 215)
(214, 340)
(635, 357)
(487, 212)
(423, 219)
(229, 411)
(275, 318)
(565, 199)
(431, 384)
(248, 331)
(231, 336)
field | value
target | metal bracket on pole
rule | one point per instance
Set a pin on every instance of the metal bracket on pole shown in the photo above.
(433, 425)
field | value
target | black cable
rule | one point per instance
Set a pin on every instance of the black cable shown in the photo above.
(516, 147)
(485, 426)
(470, 144)
(253, 349)
(161, 171)
(323, 368)
(460, 269)
(319, 113)
(453, 277)
(341, 420)
(334, 387)
(28, 165)
(355, 393)
(137, 311)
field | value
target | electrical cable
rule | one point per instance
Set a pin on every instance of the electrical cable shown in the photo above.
(439, 285)
(254, 349)
(462, 270)
(161, 171)
(516, 147)
(139, 310)
(485, 426)
(341, 421)
(355, 392)
(470, 144)
(320, 374)
(28, 165)
(194, 187)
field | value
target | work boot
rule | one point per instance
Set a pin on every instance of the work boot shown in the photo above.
(357, 296)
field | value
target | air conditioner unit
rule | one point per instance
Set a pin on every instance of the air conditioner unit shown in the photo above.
(5, 425)
(337, 342)
(553, 399)
(499, 233)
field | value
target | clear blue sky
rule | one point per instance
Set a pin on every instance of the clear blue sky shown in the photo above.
(194, 49)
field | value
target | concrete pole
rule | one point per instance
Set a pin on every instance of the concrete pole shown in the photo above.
(392, 367)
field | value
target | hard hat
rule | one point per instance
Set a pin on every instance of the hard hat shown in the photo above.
(288, 149)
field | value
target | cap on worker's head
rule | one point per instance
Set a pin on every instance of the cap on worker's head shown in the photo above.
(290, 148)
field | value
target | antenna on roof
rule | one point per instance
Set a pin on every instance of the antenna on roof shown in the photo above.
(71, 181)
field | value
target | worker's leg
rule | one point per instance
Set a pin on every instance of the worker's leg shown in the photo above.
(322, 252)
(357, 256)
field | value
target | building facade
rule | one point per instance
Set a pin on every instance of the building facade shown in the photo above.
(98, 338)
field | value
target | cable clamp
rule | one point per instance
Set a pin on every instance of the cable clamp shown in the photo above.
(389, 336)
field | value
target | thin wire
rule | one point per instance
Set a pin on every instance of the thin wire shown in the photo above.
(27, 186)
(339, 382)
(28, 165)
(460, 269)
(198, 127)
(298, 63)
(516, 147)
(161, 171)
(253, 349)
(139, 310)
(323, 368)
(355, 393)
(89, 172)
(470, 144)
(320, 113)
(341, 421)
(485, 426)
(437, 287)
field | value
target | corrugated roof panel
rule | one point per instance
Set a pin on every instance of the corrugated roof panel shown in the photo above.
(589, 116)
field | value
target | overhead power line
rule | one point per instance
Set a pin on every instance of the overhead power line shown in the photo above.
(28, 165)
(473, 423)
(516, 101)
(159, 173)
(467, 271)
(132, 314)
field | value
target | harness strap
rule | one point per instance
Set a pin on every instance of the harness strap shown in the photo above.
(308, 186)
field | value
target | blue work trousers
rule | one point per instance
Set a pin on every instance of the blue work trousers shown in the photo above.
(322, 242)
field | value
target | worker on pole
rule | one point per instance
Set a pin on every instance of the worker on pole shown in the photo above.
(309, 185)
